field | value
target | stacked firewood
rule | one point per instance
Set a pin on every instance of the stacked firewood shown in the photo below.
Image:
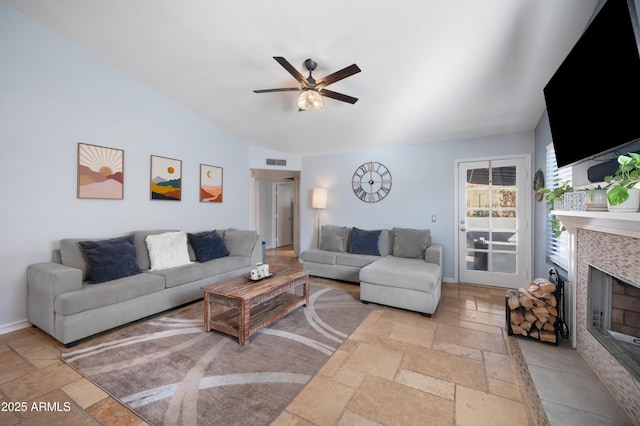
(533, 310)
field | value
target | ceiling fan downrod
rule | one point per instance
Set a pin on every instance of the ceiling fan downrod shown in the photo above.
(311, 65)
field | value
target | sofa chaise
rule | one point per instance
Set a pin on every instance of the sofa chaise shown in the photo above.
(397, 267)
(93, 285)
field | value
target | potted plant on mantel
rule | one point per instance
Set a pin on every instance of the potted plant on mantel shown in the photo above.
(624, 185)
(553, 197)
(596, 199)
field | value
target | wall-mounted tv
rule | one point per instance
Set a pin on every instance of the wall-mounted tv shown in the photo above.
(593, 99)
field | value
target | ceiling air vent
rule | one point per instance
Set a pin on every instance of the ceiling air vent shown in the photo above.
(276, 162)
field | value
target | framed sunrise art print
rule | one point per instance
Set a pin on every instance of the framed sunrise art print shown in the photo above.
(166, 178)
(210, 184)
(100, 172)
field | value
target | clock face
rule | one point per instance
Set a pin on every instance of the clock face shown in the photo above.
(371, 182)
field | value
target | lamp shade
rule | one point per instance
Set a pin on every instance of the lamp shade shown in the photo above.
(319, 198)
(310, 100)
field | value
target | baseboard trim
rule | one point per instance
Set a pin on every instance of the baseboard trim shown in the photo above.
(14, 326)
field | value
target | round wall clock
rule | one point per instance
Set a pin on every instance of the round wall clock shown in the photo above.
(371, 182)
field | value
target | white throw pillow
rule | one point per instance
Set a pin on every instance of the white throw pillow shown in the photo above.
(168, 250)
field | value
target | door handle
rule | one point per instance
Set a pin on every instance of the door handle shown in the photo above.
(463, 229)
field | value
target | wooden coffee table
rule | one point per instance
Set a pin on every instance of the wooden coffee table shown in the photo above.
(255, 304)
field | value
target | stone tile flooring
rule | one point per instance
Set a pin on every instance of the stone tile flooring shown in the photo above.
(402, 368)
(570, 391)
(398, 368)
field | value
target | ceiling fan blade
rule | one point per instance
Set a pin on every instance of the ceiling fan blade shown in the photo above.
(338, 96)
(339, 75)
(294, 72)
(284, 89)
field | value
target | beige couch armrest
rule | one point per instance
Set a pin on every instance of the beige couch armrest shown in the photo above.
(45, 281)
(434, 254)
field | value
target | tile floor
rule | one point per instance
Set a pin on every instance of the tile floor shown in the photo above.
(458, 367)
(569, 389)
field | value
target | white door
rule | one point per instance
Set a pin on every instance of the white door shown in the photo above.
(493, 212)
(284, 215)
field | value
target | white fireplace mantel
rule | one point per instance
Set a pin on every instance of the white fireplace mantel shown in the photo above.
(611, 222)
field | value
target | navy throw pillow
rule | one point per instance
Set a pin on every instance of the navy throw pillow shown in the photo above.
(111, 259)
(365, 242)
(208, 245)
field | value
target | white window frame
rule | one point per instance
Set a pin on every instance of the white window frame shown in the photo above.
(557, 249)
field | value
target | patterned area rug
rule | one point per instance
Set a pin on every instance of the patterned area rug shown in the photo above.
(169, 371)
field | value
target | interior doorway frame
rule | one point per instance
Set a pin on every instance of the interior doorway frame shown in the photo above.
(276, 219)
(270, 175)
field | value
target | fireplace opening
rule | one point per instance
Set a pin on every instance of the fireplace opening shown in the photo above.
(614, 317)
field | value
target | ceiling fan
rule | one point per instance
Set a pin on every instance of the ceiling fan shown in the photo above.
(312, 91)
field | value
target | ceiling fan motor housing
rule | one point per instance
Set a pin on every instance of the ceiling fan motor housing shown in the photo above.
(310, 64)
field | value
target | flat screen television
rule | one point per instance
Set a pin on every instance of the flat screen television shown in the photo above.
(593, 99)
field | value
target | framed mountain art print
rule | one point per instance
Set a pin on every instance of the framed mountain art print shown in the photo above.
(210, 184)
(166, 178)
(100, 172)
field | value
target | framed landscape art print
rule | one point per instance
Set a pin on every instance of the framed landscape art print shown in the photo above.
(100, 172)
(210, 184)
(166, 178)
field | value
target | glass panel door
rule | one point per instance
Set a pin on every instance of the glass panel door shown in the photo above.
(491, 223)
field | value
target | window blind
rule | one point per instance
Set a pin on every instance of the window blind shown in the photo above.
(557, 247)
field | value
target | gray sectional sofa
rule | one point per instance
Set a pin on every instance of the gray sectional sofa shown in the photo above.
(398, 267)
(93, 285)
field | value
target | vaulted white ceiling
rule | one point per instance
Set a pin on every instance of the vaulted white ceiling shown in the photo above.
(432, 70)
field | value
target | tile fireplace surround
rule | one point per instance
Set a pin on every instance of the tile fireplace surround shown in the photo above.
(611, 242)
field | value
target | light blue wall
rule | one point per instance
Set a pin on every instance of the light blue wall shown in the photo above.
(423, 185)
(54, 95)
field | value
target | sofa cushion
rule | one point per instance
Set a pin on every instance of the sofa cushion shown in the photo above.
(141, 245)
(410, 243)
(319, 256)
(240, 243)
(355, 260)
(73, 255)
(230, 263)
(184, 274)
(168, 250)
(207, 245)
(402, 272)
(111, 259)
(108, 293)
(334, 238)
(365, 242)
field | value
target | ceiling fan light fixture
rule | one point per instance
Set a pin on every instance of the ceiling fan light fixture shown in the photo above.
(310, 100)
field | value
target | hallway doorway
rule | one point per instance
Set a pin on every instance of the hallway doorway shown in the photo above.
(264, 184)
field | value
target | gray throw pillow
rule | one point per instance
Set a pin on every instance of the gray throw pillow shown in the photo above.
(239, 242)
(410, 243)
(334, 238)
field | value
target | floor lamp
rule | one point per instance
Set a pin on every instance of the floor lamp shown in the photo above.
(319, 201)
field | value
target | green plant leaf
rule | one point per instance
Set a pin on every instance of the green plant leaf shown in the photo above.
(617, 195)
